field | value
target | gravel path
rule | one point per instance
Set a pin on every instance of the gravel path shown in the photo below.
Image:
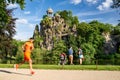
(23, 74)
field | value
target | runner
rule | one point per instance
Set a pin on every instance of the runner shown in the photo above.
(27, 48)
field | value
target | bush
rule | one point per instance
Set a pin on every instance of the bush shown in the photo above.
(88, 52)
(20, 55)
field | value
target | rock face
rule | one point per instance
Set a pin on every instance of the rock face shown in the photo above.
(54, 29)
(112, 43)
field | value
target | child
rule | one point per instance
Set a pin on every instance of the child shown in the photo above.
(62, 58)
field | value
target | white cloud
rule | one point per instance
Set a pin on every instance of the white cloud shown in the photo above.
(100, 7)
(27, 12)
(105, 5)
(19, 36)
(75, 2)
(22, 21)
(92, 1)
(10, 6)
(24, 30)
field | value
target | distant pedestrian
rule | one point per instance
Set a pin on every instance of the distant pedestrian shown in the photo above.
(70, 55)
(80, 55)
(62, 58)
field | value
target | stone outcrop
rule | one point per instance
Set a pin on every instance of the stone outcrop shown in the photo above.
(55, 29)
(112, 43)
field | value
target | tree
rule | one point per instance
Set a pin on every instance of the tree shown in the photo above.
(88, 51)
(37, 37)
(116, 4)
(47, 21)
(20, 2)
(7, 31)
(68, 17)
(59, 47)
(7, 26)
(84, 30)
(116, 30)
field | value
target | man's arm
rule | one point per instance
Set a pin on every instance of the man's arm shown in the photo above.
(32, 47)
(23, 46)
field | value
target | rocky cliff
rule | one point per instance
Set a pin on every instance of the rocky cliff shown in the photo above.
(54, 28)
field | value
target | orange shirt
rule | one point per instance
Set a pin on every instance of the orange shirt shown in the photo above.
(28, 47)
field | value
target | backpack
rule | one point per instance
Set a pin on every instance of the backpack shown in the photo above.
(62, 57)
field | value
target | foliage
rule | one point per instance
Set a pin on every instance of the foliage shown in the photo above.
(88, 52)
(36, 54)
(7, 27)
(20, 54)
(84, 30)
(72, 42)
(116, 4)
(99, 27)
(68, 17)
(116, 30)
(7, 31)
(20, 2)
(46, 21)
(59, 47)
(37, 38)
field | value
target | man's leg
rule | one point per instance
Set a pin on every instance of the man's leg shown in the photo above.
(31, 69)
(80, 61)
(71, 59)
(16, 66)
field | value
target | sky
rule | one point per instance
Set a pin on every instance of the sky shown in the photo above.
(85, 10)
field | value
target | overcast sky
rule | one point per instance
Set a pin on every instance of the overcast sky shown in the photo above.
(86, 10)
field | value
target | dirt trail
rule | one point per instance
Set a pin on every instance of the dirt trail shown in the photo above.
(23, 74)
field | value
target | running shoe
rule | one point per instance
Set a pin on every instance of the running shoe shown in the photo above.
(16, 66)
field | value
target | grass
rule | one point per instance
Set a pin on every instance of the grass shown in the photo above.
(67, 67)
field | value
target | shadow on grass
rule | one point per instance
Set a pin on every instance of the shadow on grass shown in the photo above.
(9, 72)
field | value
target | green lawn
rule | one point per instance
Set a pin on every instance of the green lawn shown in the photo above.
(67, 67)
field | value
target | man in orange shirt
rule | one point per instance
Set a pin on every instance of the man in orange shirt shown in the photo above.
(27, 48)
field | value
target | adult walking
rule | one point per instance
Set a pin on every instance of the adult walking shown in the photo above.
(70, 54)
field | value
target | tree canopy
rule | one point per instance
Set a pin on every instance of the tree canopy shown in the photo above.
(116, 4)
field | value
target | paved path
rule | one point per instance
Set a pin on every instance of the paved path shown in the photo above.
(23, 74)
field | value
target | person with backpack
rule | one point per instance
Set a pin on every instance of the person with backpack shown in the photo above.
(62, 58)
